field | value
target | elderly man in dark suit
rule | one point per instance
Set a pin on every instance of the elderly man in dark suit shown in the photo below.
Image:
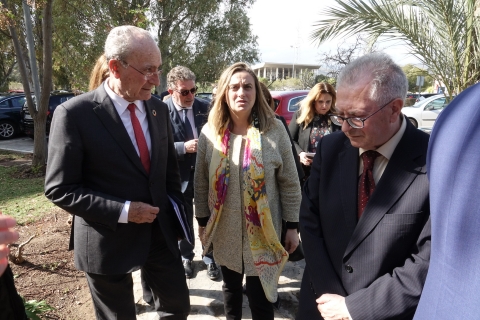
(111, 164)
(188, 115)
(365, 220)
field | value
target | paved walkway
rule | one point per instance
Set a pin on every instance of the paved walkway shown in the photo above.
(205, 295)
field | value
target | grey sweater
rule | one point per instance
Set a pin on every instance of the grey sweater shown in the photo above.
(230, 241)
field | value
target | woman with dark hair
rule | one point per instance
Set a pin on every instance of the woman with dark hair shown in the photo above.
(244, 154)
(311, 122)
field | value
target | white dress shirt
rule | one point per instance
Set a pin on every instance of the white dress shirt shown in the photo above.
(140, 111)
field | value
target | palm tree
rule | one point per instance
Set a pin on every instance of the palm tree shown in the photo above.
(443, 34)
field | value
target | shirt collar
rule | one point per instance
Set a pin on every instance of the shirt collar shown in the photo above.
(120, 103)
(388, 147)
(179, 108)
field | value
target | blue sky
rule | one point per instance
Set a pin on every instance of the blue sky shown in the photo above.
(284, 25)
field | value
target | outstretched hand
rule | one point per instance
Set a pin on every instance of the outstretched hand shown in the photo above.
(7, 236)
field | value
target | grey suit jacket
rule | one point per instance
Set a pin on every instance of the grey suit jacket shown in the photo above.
(93, 169)
(186, 160)
(380, 262)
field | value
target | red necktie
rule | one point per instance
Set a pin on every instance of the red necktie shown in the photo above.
(140, 138)
(366, 184)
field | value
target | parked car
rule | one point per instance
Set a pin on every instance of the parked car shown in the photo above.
(287, 102)
(55, 100)
(10, 114)
(424, 113)
(204, 95)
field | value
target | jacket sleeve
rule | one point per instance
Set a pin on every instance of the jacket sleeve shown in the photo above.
(294, 129)
(201, 180)
(64, 182)
(317, 258)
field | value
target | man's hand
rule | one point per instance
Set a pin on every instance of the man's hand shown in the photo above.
(140, 212)
(291, 240)
(191, 146)
(306, 161)
(333, 307)
(7, 236)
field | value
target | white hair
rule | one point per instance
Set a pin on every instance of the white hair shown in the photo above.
(387, 79)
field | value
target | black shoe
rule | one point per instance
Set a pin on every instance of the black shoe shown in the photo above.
(187, 265)
(212, 271)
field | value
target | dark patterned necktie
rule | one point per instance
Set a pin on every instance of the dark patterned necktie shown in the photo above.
(140, 138)
(366, 184)
(188, 127)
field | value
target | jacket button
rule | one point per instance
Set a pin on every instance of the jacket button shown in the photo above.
(151, 184)
(348, 268)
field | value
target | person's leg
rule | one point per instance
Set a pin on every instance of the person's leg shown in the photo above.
(112, 296)
(186, 248)
(147, 293)
(165, 276)
(262, 309)
(232, 293)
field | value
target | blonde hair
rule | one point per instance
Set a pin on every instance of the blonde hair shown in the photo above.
(307, 105)
(99, 73)
(219, 116)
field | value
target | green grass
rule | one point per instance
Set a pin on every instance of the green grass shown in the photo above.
(21, 198)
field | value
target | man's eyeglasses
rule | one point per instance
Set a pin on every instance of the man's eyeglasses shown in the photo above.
(357, 123)
(185, 93)
(145, 74)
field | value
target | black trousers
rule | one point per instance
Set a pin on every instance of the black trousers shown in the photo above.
(11, 305)
(113, 294)
(261, 308)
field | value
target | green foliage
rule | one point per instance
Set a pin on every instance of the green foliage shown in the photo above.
(412, 72)
(206, 36)
(443, 34)
(34, 308)
(286, 84)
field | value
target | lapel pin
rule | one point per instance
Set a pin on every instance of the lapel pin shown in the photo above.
(154, 113)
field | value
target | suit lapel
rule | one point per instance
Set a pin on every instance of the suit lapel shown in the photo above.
(348, 161)
(107, 113)
(176, 120)
(397, 177)
(153, 128)
(198, 116)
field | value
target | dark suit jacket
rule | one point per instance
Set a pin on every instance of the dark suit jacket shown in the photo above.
(93, 169)
(380, 263)
(452, 288)
(300, 135)
(186, 160)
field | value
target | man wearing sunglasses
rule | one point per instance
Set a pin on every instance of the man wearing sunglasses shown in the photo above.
(188, 114)
(365, 217)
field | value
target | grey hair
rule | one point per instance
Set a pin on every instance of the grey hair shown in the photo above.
(387, 79)
(122, 40)
(179, 73)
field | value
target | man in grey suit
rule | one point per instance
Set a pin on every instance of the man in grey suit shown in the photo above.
(111, 164)
(188, 115)
(365, 219)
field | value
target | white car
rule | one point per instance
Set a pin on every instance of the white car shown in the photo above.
(424, 113)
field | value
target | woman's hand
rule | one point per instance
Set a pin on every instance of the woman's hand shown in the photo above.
(291, 240)
(304, 159)
(201, 234)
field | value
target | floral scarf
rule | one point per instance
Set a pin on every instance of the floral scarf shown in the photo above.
(269, 256)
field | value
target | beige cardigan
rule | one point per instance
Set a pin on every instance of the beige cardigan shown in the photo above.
(230, 242)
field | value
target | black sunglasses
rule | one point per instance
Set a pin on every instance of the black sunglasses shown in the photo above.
(186, 92)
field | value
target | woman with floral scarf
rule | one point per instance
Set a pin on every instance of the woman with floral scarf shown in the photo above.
(245, 184)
